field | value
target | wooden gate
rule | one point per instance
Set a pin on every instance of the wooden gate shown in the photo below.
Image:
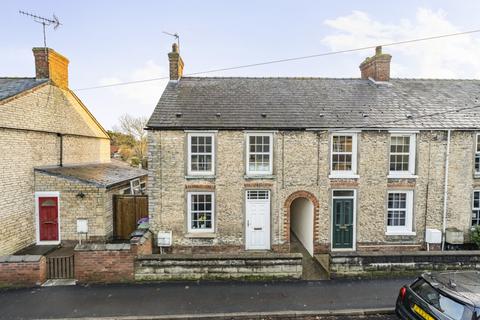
(60, 264)
(127, 210)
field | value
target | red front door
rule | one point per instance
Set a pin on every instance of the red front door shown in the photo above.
(48, 218)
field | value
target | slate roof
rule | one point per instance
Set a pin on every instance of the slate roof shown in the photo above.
(103, 175)
(301, 103)
(10, 87)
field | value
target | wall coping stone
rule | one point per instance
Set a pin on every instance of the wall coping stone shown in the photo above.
(103, 247)
(20, 258)
(403, 254)
(223, 256)
(141, 240)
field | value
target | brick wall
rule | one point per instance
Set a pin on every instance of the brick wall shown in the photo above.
(109, 263)
(103, 263)
(48, 110)
(301, 164)
(22, 270)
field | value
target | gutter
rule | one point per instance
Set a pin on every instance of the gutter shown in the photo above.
(445, 190)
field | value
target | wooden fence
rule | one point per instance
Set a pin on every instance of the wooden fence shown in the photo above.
(127, 210)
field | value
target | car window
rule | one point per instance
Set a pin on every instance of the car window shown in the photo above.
(444, 304)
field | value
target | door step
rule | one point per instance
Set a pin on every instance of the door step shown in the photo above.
(59, 282)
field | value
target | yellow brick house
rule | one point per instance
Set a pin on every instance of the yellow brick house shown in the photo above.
(54, 161)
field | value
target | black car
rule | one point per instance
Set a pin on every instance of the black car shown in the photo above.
(441, 296)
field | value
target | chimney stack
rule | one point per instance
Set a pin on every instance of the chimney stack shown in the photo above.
(176, 63)
(376, 67)
(51, 65)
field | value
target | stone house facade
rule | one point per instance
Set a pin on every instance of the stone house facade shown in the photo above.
(44, 125)
(343, 164)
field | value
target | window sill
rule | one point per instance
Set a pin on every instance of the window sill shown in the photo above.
(402, 176)
(200, 177)
(401, 233)
(259, 176)
(343, 176)
(200, 235)
(476, 176)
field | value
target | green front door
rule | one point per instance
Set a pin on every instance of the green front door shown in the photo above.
(342, 223)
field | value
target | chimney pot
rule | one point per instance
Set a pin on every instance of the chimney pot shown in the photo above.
(376, 67)
(51, 65)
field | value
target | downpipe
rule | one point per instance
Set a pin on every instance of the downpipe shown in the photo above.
(445, 191)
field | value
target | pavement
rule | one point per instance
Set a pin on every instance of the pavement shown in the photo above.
(195, 300)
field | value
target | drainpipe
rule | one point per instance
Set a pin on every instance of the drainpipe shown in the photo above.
(61, 149)
(445, 191)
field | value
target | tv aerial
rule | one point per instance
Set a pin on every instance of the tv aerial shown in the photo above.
(175, 35)
(45, 22)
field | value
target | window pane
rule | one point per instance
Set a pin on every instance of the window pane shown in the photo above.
(342, 153)
(397, 209)
(447, 306)
(201, 153)
(399, 153)
(343, 193)
(201, 211)
(259, 154)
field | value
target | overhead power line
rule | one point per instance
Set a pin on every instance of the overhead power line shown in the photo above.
(286, 60)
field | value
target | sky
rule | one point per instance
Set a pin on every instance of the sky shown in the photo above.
(117, 41)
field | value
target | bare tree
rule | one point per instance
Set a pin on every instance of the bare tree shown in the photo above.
(135, 127)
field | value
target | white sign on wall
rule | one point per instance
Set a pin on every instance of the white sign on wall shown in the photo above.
(164, 238)
(82, 225)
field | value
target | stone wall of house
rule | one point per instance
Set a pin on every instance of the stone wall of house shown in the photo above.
(301, 168)
(96, 206)
(28, 130)
(73, 207)
(29, 124)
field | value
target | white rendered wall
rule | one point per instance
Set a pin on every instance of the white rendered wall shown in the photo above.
(301, 222)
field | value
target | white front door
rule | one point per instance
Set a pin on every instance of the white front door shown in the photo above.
(257, 222)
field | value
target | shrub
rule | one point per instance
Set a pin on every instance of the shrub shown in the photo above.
(475, 235)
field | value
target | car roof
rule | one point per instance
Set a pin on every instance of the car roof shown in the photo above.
(464, 285)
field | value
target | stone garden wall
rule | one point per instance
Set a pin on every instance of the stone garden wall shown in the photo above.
(249, 266)
(379, 264)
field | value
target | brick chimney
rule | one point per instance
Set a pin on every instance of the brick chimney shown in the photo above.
(50, 64)
(376, 67)
(176, 63)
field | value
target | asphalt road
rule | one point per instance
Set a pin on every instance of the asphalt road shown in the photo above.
(175, 298)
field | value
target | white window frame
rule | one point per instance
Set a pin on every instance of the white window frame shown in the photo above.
(190, 172)
(135, 186)
(410, 173)
(344, 173)
(477, 154)
(408, 228)
(189, 212)
(247, 153)
(473, 207)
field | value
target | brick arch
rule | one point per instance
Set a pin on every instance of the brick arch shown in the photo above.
(316, 207)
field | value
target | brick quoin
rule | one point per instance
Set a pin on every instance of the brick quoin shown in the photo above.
(316, 206)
